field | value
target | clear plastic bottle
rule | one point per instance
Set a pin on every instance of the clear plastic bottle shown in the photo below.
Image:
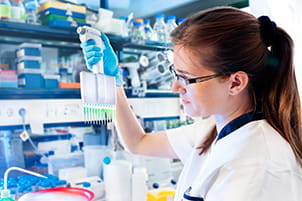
(159, 28)
(18, 11)
(31, 7)
(5, 10)
(171, 25)
(148, 30)
(138, 33)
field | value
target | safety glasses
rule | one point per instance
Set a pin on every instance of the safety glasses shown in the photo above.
(186, 81)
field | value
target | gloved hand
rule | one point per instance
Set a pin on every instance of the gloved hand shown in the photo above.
(93, 54)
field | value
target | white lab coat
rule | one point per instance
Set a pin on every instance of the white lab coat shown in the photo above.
(253, 163)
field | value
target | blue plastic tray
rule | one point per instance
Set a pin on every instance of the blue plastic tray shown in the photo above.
(61, 12)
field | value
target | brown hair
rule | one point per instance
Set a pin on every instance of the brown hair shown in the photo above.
(234, 42)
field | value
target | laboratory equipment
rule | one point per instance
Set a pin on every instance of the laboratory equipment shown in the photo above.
(93, 157)
(5, 193)
(117, 178)
(5, 9)
(31, 7)
(138, 33)
(139, 184)
(11, 150)
(97, 89)
(18, 11)
(149, 34)
(55, 194)
(159, 28)
(171, 25)
(97, 186)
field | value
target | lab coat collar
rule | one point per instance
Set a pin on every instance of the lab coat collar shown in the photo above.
(238, 122)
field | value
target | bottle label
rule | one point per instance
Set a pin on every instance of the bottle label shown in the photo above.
(5, 11)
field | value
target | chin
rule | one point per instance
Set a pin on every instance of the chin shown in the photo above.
(195, 113)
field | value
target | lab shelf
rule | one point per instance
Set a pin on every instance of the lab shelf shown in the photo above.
(20, 93)
(6, 94)
(12, 32)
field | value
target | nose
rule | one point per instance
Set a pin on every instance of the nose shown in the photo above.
(177, 88)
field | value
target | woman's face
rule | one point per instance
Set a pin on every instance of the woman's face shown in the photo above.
(199, 99)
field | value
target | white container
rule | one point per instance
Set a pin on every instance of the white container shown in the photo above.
(93, 157)
(139, 184)
(117, 178)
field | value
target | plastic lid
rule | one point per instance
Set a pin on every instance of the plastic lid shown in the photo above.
(137, 24)
(171, 17)
(159, 15)
(155, 185)
(107, 160)
(139, 20)
(123, 18)
(180, 20)
(146, 21)
(86, 184)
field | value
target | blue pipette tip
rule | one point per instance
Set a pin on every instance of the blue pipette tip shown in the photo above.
(107, 160)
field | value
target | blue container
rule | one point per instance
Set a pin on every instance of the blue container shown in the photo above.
(28, 64)
(31, 80)
(61, 12)
(29, 49)
(51, 81)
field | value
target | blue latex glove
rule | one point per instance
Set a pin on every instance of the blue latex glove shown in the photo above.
(93, 54)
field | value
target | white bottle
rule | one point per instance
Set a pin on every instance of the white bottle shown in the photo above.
(159, 28)
(31, 7)
(171, 25)
(149, 33)
(139, 184)
(18, 11)
(138, 33)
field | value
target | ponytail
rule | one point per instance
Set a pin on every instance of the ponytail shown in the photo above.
(279, 99)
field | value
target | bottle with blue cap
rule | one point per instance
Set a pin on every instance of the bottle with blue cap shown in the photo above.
(171, 25)
(159, 28)
(148, 30)
(31, 7)
(138, 33)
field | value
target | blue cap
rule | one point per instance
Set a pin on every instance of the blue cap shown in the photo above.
(107, 160)
(86, 184)
(171, 17)
(137, 24)
(155, 185)
(146, 21)
(123, 18)
(159, 15)
(180, 20)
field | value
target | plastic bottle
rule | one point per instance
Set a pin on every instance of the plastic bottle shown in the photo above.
(139, 184)
(6, 196)
(149, 33)
(18, 11)
(125, 27)
(5, 9)
(171, 25)
(159, 28)
(31, 7)
(138, 33)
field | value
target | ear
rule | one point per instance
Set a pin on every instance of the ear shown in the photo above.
(238, 82)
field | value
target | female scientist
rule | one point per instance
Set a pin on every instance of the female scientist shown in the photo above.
(239, 70)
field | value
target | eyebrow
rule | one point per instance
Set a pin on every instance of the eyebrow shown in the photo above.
(186, 73)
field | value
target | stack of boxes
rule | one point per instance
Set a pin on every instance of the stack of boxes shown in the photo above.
(29, 65)
(30, 74)
(62, 15)
(8, 78)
